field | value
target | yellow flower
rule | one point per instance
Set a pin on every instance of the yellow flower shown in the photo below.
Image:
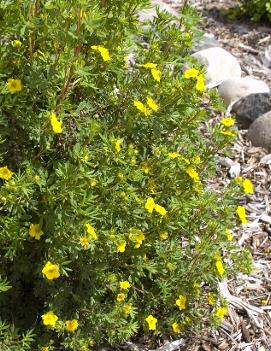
(14, 85)
(71, 325)
(121, 297)
(118, 145)
(51, 271)
(160, 209)
(49, 319)
(82, 13)
(181, 302)
(5, 173)
(173, 154)
(105, 54)
(121, 247)
(227, 121)
(228, 234)
(241, 212)
(219, 267)
(142, 108)
(163, 235)
(127, 308)
(221, 312)
(125, 285)
(151, 322)
(176, 328)
(231, 133)
(17, 43)
(150, 204)
(192, 173)
(211, 299)
(137, 236)
(248, 186)
(186, 160)
(200, 86)
(149, 65)
(84, 241)
(156, 73)
(103, 51)
(145, 167)
(152, 104)
(55, 123)
(191, 73)
(35, 231)
(91, 231)
(45, 348)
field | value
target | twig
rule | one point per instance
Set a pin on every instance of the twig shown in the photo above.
(248, 48)
(237, 302)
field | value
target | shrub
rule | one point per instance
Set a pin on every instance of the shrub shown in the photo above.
(109, 226)
(256, 9)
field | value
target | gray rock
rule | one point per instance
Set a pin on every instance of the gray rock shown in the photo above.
(259, 132)
(219, 64)
(234, 89)
(150, 14)
(250, 108)
(206, 42)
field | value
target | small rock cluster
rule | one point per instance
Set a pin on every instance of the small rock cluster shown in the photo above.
(249, 99)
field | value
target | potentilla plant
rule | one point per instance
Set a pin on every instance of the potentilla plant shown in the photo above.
(109, 228)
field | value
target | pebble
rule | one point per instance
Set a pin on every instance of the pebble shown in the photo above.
(219, 64)
(234, 89)
(250, 107)
(259, 132)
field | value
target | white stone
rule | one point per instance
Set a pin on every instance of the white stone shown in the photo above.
(234, 89)
(219, 65)
(150, 14)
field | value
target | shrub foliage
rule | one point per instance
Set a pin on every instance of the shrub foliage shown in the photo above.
(109, 225)
(257, 9)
